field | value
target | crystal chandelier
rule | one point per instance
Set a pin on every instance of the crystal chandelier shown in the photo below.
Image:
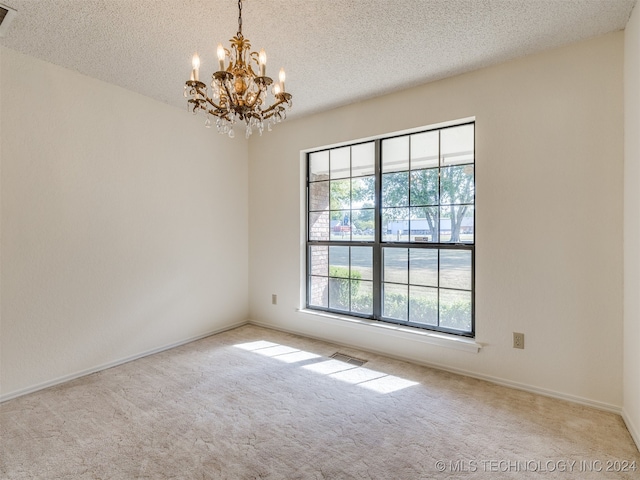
(237, 94)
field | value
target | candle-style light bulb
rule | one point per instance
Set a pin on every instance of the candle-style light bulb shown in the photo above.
(262, 60)
(195, 62)
(276, 88)
(221, 56)
(282, 77)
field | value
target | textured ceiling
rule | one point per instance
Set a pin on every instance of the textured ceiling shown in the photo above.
(334, 51)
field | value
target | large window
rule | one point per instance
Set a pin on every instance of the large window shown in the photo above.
(390, 229)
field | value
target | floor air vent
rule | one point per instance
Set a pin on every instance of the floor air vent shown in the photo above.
(348, 359)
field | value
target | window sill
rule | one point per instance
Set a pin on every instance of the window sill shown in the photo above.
(400, 331)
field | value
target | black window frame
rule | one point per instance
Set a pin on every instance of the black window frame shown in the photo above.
(379, 245)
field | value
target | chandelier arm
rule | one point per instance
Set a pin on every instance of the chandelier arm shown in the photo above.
(255, 100)
(253, 104)
(270, 115)
(197, 103)
(198, 106)
(267, 117)
(229, 95)
(271, 110)
(213, 104)
(220, 113)
(261, 83)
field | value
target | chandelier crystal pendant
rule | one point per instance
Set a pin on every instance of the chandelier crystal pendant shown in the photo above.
(237, 94)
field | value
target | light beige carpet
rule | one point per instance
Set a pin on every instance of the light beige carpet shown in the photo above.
(253, 403)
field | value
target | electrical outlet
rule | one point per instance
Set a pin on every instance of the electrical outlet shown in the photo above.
(274, 299)
(518, 340)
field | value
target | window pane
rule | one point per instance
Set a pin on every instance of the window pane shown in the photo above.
(424, 187)
(363, 192)
(457, 145)
(362, 263)
(457, 185)
(396, 265)
(362, 296)
(456, 224)
(395, 189)
(319, 260)
(339, 293)
(467, 227)
(319, 196)
(424, 224)
(395, 301)
(319, 166)
(455, 269)
(455, 309)
(340, 194)
(362, 225)
(424, 150)
(339, 262)
(340, 162)
(395, 224)
(423, 267)
(319, 226)
(319, 295)
(363, 159)
(423, 305)
(395, 154)
(341, 225)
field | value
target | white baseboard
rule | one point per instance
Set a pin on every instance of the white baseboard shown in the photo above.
(498, 381)
(635, 433)
(66, 378)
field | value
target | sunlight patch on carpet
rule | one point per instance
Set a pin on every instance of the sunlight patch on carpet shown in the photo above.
(387, 384)
(299, 356)
(253, 346)
(276, 350)
(358, 375)
(337, 369)
(328, 367)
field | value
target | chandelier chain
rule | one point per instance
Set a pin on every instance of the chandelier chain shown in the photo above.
(239, 18)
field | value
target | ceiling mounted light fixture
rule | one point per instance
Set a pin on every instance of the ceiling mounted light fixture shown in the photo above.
(237, 94)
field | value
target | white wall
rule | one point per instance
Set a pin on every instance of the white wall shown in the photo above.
(124, 225)
(631, 411)
(549, 165)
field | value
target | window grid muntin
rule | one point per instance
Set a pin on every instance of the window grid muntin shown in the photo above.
(378, 244)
